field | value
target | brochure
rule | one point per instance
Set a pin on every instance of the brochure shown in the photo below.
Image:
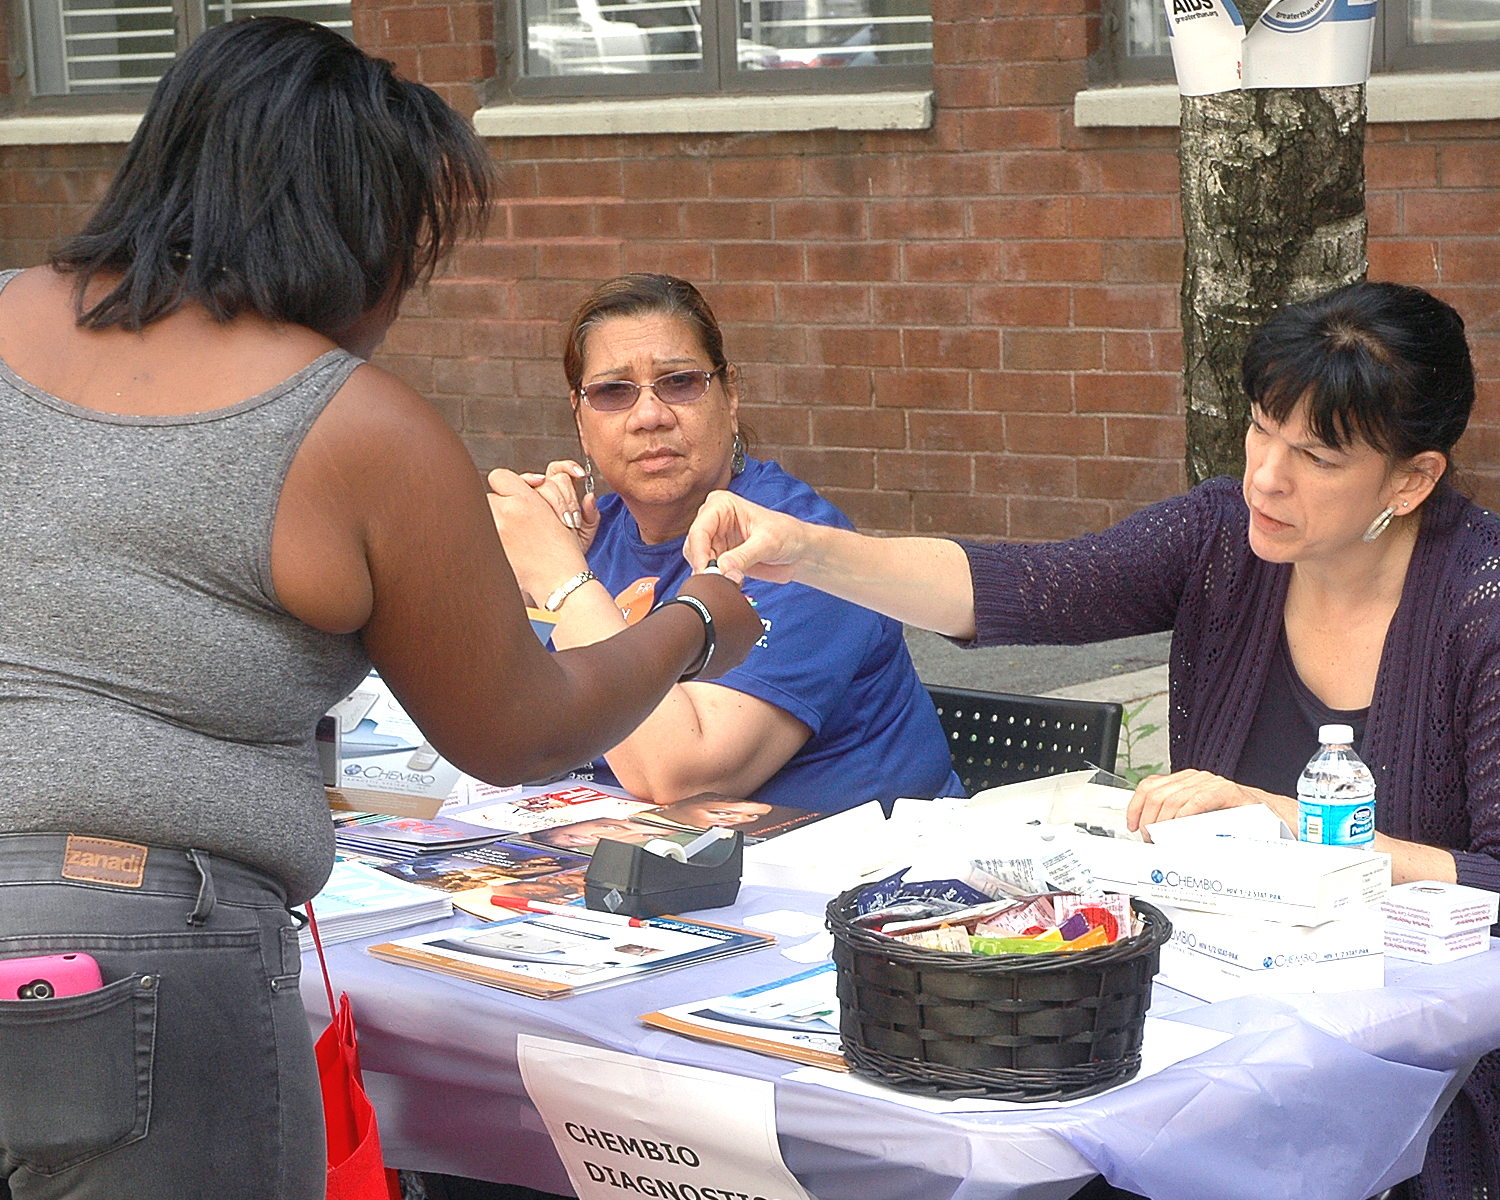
(358, 901)
(406, 837)
(499, 862)
(755, 819)
(564, 887)
(562, 805)
(795, 1018)
(581, 837)
(557, 954)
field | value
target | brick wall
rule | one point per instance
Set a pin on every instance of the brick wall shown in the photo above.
(1433, 200)
(45, 194)
(970, 329)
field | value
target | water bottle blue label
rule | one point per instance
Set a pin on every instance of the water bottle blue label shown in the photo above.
(1336, 824)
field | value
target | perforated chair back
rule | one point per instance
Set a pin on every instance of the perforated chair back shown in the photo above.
(998, 738)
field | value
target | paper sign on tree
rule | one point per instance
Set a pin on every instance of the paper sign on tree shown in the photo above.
(1295, 44)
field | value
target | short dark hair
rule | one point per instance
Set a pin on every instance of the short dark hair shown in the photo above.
(1383, 363)
(633, 296)
(280, 170)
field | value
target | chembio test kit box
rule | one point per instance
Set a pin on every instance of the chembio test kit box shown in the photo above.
(375, 759)
(1215, 956)
(1293, 883)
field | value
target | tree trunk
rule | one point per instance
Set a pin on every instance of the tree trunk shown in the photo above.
(1273, 211)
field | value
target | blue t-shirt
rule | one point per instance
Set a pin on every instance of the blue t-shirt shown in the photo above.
(842, 670)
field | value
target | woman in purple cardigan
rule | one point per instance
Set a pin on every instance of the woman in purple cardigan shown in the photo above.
(1342, 581)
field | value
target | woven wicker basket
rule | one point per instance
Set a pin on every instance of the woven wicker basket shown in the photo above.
(1012, 1026)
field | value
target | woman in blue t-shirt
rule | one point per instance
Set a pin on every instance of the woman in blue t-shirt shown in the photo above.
(827, 712)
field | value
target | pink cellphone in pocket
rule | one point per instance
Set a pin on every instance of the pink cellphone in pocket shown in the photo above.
(48, 975)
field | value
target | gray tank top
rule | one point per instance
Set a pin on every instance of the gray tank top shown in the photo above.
(151, 687)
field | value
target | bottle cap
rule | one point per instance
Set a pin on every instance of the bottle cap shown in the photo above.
(1336, 735)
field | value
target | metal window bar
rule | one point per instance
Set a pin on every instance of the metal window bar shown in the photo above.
(88, 47)
(833, 33)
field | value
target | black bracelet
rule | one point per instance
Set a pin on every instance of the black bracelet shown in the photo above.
(699, 664)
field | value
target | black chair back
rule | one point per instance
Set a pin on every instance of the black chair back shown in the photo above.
(998, 738)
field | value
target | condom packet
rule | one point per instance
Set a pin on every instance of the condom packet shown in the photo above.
(1109, 910)
(951, 938)
(896, 889)
(1040, 912)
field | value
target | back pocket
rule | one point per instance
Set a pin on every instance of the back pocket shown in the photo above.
(75, 1073)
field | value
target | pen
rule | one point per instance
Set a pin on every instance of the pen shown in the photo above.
(521, 904)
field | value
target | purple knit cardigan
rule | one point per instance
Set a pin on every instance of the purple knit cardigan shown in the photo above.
(1433, 734)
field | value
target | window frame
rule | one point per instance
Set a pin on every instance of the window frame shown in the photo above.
(45, 57)
(1392, 52)
(720, 75)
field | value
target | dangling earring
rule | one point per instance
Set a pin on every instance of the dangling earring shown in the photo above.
(588, 475)
(1377, 526)
(737, 461)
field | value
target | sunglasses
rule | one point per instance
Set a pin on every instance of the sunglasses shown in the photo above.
(675, 387)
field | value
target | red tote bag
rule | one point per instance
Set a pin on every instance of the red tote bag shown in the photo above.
(356, 1170)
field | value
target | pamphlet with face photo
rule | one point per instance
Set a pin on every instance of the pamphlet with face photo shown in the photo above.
(499, 862)
(754, 818)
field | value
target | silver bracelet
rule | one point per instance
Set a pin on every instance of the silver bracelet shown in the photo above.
(555, 601)
(700, 664)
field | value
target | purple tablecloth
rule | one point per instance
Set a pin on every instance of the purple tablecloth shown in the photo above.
(1314, 1097)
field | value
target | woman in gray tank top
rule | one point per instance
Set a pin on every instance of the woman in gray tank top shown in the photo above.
(213, 518)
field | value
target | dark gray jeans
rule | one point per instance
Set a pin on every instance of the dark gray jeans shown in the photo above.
(190, 1073)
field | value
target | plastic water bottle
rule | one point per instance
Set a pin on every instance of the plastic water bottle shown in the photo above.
(1336, 793)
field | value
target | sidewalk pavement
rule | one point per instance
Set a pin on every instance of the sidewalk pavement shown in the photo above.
(1129, 671)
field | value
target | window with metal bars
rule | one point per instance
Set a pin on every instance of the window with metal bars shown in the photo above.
(1428, 35)
(97, 47)
(612, 47)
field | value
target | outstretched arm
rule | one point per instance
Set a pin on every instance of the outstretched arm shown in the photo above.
(920, 581)
(384, 529)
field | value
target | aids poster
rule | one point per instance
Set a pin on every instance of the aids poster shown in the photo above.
(1295, 44)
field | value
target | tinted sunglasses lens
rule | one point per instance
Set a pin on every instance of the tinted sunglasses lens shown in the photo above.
(611, 396)
(682, 386)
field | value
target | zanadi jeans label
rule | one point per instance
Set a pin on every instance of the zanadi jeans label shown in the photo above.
(100, 860)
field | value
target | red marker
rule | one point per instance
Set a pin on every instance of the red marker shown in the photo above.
(522, 904)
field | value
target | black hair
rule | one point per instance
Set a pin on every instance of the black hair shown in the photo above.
(280, 170)
(1382, 363)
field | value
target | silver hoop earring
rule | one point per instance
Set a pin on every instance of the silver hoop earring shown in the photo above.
(588, 475)
(1378, 525)
(737, 460)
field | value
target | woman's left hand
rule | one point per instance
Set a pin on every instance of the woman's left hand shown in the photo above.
(558, 487)
(1185, 793)
(543, 552)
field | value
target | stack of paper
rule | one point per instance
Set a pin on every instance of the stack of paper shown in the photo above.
(406, 837)
(358, 901)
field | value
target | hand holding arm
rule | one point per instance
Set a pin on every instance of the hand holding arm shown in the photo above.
(557, 486)
(543, 551)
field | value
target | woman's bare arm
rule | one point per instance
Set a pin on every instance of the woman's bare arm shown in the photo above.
(702, 737)
(384, 528)
(920, 581)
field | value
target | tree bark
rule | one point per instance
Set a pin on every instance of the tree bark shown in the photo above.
(1273, 212)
